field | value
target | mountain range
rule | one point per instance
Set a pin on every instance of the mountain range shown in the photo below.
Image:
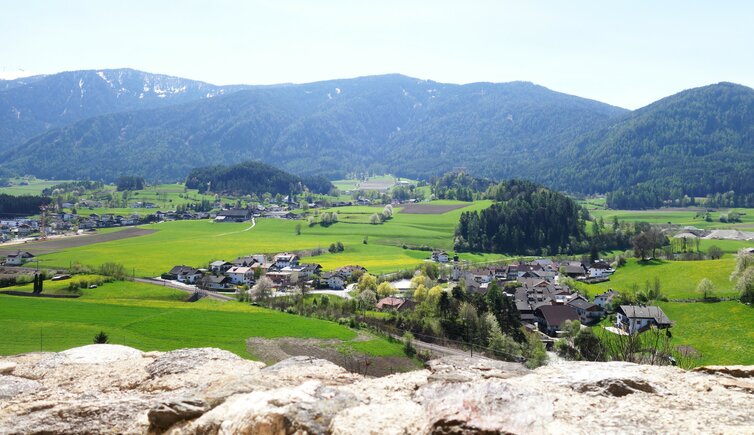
(102, 124)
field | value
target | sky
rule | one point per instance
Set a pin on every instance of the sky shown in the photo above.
(627, 53)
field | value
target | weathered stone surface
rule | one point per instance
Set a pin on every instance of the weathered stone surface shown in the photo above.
(462, 368)
(306, 408)
(485, 406)
(12, 386)
(298, 369)
(100, 354)
(102, 388)
(735, 371)
(7, 367)
(166, 414)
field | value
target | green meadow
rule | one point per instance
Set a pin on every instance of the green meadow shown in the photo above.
(124, 290)
(375, 182)
(150, 317)
(676, 216)
(678, 279)
(197, 243)
(722, 332)
(27, 186)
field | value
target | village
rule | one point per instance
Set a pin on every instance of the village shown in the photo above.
(543, 301)
(68, 219)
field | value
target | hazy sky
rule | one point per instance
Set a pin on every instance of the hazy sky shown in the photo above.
(626, 53)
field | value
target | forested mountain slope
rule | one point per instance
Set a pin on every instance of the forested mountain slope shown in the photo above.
(696, 142)
(392, 123)
(32, 105)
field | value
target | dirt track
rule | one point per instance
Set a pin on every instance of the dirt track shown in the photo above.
(60, 244)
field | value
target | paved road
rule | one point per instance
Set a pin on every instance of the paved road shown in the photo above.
(185, 288)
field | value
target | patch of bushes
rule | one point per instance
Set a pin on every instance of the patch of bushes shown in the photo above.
(336, 247)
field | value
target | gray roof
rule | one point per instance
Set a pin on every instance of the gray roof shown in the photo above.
(235, 213)
(581, 304)
(183, 270)
(651, 312)
(573, 269)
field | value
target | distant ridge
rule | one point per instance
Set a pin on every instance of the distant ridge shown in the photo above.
(389, 123)
(100, 124)
(32, 105)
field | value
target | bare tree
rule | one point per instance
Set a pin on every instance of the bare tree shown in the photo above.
(262, 290)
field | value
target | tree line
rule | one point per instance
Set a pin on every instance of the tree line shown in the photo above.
(129, 182)
(526, 218)
(24, 205)
(459, 186)
(247, 178)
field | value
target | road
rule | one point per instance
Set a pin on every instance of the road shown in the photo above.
(253, 224)
(436, 349)
(184, 287)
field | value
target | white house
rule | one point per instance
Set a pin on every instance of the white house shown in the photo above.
(216, 282)
(220, 266)
(335, 281)
(240, 275)
(587, 311)
(605, 299)
(440, 256)
(600, 269)
(634, 318)
(285, 260)
(18, 259)
(186, 274)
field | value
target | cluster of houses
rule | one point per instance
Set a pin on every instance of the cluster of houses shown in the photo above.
(245, 214)
(337, 279)
(14, 228)
(546, 304)
(63, 222)
(542, 302)
(284, 270)
(542, 268)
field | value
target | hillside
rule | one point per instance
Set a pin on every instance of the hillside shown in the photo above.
(250, 178)
(414, 128)
(33, 105)
(525, 217)
(695, 142)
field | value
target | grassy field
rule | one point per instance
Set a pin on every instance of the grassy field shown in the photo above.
(124, 290)
(728, 246)
(377, 182)
(27, 186)
(722, 332)
(678, 279)
(677, 216)
(150, 318)
(200, 242)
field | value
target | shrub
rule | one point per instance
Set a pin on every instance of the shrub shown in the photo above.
(408, 344)
(101, 338)
(115, 270)
(24, 279)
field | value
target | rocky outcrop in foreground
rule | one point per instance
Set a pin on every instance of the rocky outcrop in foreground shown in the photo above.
(117, 389)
